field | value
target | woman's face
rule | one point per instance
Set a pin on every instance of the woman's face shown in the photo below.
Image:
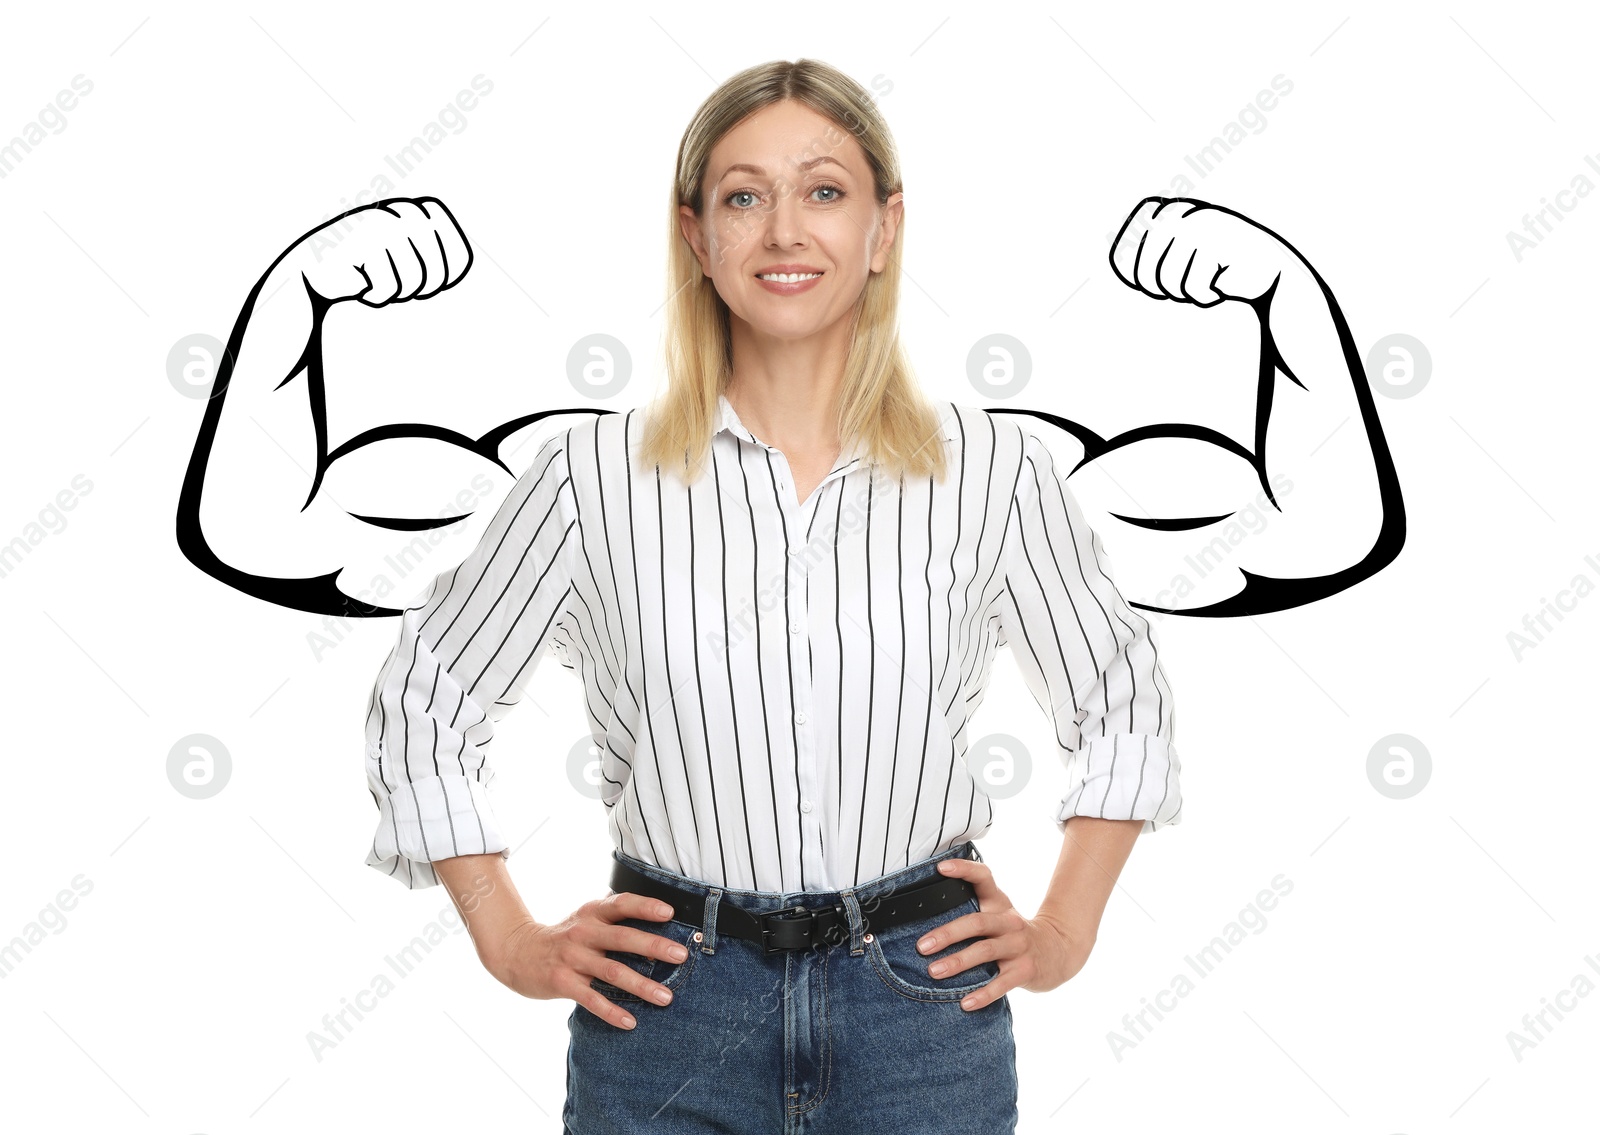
(790, 191)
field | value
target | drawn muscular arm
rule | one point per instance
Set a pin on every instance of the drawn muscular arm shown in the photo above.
(1205, 525)
(257, 510)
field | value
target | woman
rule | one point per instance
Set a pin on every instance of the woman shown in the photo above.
(783, 588)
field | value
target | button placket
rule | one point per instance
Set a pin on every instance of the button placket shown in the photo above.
(799, 649)
(796, 521)
(807, 785)
(811, 817)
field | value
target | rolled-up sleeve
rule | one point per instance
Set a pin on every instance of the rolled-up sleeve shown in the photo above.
(465, 653)
(1089, 659)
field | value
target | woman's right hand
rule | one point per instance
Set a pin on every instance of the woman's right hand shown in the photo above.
(559, 960)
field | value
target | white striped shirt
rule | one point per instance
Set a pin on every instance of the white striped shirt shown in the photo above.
(779, 690)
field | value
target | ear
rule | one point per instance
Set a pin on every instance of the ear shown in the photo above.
(891, 214)
(689, 226)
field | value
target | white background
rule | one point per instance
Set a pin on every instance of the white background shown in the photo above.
(178, 994)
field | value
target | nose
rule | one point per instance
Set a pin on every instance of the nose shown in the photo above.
(785, 221)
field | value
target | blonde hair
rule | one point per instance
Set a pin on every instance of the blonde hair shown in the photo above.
(880, 400)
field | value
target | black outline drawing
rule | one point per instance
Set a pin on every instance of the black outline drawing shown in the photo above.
(321, 595)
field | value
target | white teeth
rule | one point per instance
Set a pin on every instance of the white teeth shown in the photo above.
(790, 277)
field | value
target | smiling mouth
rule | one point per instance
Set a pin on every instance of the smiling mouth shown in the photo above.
(787, 277)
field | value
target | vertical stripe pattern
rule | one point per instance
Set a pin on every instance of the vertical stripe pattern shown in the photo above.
(780, 690)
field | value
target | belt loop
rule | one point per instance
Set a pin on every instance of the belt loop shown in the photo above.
(975, 853)
(708, 922)
(853, 913)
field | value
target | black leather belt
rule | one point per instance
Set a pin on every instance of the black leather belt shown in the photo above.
(798, 928)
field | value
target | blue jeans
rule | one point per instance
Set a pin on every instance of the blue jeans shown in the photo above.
(838, 1038)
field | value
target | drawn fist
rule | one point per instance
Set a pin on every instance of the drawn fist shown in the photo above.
(386, 252)
(1187, 250)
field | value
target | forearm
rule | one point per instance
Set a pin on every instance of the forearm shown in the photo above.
(257, 415)
(481, 888)
(1092, 854)
(1303, 327)
(280, 317)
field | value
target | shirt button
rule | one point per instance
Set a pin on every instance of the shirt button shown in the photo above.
(805, 805)
(800, 718)
(794, 628)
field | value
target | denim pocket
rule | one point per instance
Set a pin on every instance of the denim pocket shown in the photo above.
(904, 968)
(665, 972)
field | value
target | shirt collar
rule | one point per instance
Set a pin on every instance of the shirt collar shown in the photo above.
(728, 419)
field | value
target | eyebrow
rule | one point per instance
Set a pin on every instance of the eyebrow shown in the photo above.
(803, 167)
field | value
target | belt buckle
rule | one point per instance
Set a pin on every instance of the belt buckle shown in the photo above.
(797, 914)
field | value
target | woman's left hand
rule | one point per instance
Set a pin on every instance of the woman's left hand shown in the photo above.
(1037, 954)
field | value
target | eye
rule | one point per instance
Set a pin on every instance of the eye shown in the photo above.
(732, 199)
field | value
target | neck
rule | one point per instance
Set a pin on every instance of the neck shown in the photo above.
(786, 391)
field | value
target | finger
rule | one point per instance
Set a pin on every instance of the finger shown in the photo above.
(1194, 283)
(453, 250)
(978, 924)
(973, 871)
(978, 873)
(627, 904)
(427, 251)
(408, 268)
(451, 240)
(981, 949)
(1164, 249)
(1175, 209)
(420, 228)
(615, 972)
(1147, 261)
(612, 935)
(407, 251)
(955, 965)
(993, 903)
(1199, 283)
(632, 940)
(1174, 268)
(414, 216)
(624, 976)
(1125, 249)
(382, 283)
(990, 993)
(606, 1009)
